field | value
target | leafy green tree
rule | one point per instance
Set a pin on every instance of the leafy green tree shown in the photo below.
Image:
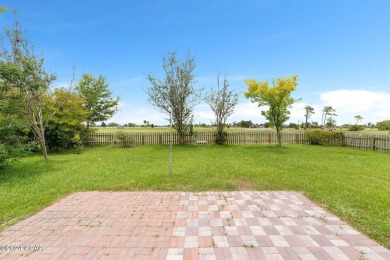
(13, 126)
(309, 111)
(222, 103)
(331, 122)
(23, 71)
(277, 98)
(98, 99)
(383, 125)
(66, 108)
(13, 129)
(66, 116)
(175, 95)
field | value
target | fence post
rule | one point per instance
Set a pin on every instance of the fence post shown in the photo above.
(373, 143)
(143, 139)
(160, 138)
(269, 138)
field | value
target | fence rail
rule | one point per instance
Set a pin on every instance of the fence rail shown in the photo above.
(360, 141)
(373, 142)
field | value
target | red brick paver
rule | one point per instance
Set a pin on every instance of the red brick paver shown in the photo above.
(186, 225)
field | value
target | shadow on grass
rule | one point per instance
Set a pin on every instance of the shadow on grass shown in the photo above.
(30, 168)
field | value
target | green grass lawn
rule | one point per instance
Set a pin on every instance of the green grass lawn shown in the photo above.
(353, 184)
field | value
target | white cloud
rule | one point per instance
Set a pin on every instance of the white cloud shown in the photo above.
(202, 113)
(356, 100)
(62, 84)
(247, 111)
(243, 111)
(374, 106)
(132, 114)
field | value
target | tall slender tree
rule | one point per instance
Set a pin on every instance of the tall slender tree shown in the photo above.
(358, 118)
(327, 111)
(309, 111)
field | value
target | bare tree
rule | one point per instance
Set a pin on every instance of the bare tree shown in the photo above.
(222, 102)
(23, 70)
(175, 95)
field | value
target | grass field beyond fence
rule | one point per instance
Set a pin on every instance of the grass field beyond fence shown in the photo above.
(354, 184)
(375, 142)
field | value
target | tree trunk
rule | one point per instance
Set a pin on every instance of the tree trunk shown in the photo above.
(181, 137)
(42, 140)
(42, 145)
(325, 121)
(279, 137)
(220, 137)
(305, 124)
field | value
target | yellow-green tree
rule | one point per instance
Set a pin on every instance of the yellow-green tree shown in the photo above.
(65, 107)
(276, 97)
(65, 113)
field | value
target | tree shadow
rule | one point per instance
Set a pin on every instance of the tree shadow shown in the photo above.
(28, 169)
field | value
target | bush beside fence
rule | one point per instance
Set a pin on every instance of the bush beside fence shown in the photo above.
(360, 141)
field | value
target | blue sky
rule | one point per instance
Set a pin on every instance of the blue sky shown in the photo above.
(339, 49)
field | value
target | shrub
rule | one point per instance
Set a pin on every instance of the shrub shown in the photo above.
(383, 125)
(328, 138)
(59, 137)
(220, 138)
(125, 139)
(355, 128)
(4, 156)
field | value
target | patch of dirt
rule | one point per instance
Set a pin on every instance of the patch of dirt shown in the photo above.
(242, 184)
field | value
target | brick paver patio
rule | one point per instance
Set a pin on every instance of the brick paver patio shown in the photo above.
(186, 225)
